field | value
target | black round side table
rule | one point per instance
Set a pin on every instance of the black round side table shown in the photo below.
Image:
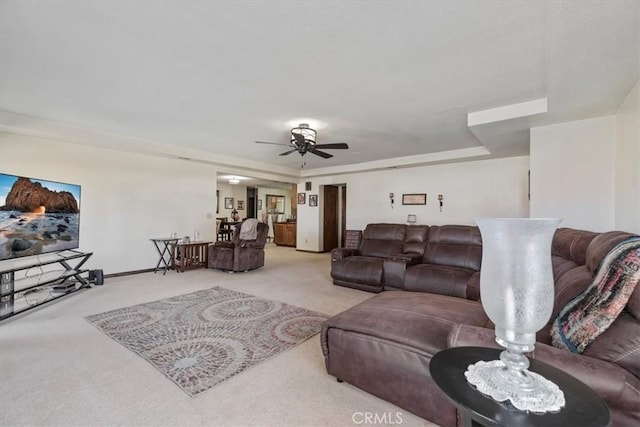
(583, 406)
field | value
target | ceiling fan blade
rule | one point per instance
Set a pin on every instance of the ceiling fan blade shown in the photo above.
(288, 152)
(319, 153)
(337, 146)
(272, 143)
(299, 138)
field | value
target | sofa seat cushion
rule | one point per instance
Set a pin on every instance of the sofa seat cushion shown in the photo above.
(359, 269)
(414, 319)
(438, 279)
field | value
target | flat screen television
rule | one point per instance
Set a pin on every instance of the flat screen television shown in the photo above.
(37, 216)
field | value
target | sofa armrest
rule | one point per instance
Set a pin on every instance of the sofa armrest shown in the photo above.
(338, 254)
(222, 244)
(251, 244)
(605, 378)
(473, 287)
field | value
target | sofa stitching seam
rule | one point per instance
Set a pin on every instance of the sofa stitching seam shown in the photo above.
(627, 353)
(455, 339)
(632, 388)
(367, 337)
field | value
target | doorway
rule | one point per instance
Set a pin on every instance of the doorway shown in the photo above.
(252, 204)
(334, 213)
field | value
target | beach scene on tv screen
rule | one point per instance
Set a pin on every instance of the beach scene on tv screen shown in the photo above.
(37, 216)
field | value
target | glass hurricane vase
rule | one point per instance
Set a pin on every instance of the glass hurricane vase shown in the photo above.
(516, 289)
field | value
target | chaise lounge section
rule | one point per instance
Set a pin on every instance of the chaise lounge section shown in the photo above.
(385, 344)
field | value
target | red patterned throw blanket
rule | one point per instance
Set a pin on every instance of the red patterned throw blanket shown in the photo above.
(588, 315)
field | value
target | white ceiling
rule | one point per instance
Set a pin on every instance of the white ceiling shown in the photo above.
(392, 79)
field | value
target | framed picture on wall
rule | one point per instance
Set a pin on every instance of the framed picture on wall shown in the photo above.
(240, 205)
(275, 204)
(302, 198)
(228, 202)
(313, 200)
(414, 199)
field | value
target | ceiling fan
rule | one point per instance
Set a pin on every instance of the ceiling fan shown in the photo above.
(303, 140)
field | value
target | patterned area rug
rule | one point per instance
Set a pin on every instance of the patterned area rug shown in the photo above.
(200, 339)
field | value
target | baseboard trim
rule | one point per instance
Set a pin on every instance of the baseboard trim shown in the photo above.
(129, 273)
(311, 252)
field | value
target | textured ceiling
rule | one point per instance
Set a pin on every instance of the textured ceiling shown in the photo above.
(392, 79)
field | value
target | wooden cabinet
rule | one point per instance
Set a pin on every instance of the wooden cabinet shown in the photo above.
(285, 233)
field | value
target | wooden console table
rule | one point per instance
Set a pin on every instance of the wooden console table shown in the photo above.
(189, 255)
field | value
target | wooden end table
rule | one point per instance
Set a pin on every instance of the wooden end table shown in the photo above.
(187, 256)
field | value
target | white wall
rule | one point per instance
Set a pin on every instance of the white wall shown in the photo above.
(627, 170)
(572, 173)
(237, 192)
(126, 198)
(495, 187)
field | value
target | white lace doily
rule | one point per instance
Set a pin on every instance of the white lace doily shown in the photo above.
(545, 397)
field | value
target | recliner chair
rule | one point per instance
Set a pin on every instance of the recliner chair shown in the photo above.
(239, 255)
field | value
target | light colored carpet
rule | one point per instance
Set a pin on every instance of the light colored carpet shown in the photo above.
(58, 370)
(202, 338)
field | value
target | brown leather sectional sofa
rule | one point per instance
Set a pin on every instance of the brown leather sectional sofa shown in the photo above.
(384, 345)
(438, 259)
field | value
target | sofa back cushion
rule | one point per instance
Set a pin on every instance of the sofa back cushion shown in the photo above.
(416, 240)
(569, 249)
(572, 244)
(454, 245)
(383, 240)
(576, 256)
(601, 245)
(633, 306)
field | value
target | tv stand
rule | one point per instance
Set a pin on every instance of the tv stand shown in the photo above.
(19, 294)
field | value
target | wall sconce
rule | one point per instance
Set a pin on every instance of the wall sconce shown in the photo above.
(391, 199)
(411, 219)
(440, 199)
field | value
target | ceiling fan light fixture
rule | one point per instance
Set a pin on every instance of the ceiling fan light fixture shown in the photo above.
(307, 133)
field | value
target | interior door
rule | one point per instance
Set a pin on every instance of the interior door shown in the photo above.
(343, 214)
(330, 210)
(251, 202)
